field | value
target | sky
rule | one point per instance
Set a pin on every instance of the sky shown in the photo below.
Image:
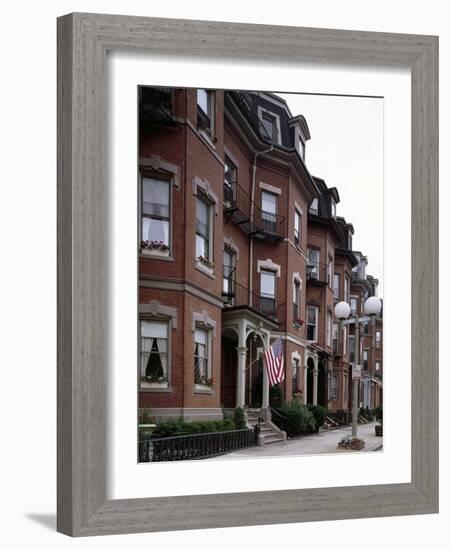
(346, 150)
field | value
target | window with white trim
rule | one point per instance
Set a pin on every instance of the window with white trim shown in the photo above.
(335, 337)
(268, 291)
(354, 305)
(230, 181)
(270, 124)
(295, 375)
(345, 387)
(336, 285)
(378, 339)
(346, 288)
(351, 348)
(296, 304)
(204, 229)
(229, 267)
(313, 262)
(333, 390)
(333, 208)
(378, 366)
(154, 351)
(330, 271)
(202, 356)
(205, 110)
(314, 206)
(329, 323)
(155, 213)
(269, 211)
(312, 316)
(366, 359)
(297, 227)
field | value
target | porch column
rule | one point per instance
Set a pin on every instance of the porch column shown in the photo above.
(265, 380)
(305, 380)
(315, 383)
(242, 356)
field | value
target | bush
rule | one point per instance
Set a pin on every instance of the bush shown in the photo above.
(239, 419)
(275, 396)
(173, 427)
(319, 413)
(379, 413)
(297, 418)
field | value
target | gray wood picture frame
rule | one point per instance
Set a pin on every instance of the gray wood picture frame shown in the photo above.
(83, 41)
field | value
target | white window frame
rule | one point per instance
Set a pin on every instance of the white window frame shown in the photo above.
(297, 216)
(209, 340)
(166, 179)
(316, 322)
(261, 111)
(156, 384)
(334, 388)
(314, 206)
(211, 104)
(210, 206)
(329, 329)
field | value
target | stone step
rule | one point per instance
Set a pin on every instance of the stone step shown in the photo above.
(275, 438)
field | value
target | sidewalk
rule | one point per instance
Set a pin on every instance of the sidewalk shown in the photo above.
(322, 443)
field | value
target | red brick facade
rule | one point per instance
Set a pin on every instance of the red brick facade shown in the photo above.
(188, 293)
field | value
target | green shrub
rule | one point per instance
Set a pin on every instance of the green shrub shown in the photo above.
(239, 418)
(379, 413)
(319, 413)
(173, 427)
(275, 396)
(297, 418)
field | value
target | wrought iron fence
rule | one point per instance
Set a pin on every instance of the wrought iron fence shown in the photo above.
(195, 446)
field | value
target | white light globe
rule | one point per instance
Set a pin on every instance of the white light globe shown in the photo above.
(372, 306)
(341, 310)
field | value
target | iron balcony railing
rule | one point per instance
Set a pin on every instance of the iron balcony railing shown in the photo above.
(239, 208)
(236, 295)
(195, 446)
(155, 105)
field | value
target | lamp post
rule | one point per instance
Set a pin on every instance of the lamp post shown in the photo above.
(372, 307)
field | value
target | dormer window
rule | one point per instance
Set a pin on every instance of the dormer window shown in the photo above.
(314, 207)
(270, 125)
(349, 241)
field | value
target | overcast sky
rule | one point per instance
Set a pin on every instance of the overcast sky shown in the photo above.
(346, 150)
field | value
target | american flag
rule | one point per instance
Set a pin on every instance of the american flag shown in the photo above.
(274, 362)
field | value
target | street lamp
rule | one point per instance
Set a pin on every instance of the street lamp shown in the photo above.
(372, 307)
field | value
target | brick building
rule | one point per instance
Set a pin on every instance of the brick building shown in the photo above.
(238, 245)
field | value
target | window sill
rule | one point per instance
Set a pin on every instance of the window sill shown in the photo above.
(205, 269)
(200, 388)
(156, 254)
(154, 385)
(204, 135)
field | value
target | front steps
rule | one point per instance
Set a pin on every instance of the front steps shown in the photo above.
(269, 433)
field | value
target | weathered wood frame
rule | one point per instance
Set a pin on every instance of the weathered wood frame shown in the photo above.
(83, 40)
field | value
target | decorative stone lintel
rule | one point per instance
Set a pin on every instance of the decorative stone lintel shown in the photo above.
(156, 309)
(203, 318)
(207, 189)
(157, 163)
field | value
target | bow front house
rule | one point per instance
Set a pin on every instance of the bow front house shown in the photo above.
(239, 245)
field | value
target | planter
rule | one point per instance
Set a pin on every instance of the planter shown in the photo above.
(379, 430)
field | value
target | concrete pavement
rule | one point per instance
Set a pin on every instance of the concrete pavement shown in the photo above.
(322, 443)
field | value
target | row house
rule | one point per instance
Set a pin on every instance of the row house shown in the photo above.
(238, 245)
